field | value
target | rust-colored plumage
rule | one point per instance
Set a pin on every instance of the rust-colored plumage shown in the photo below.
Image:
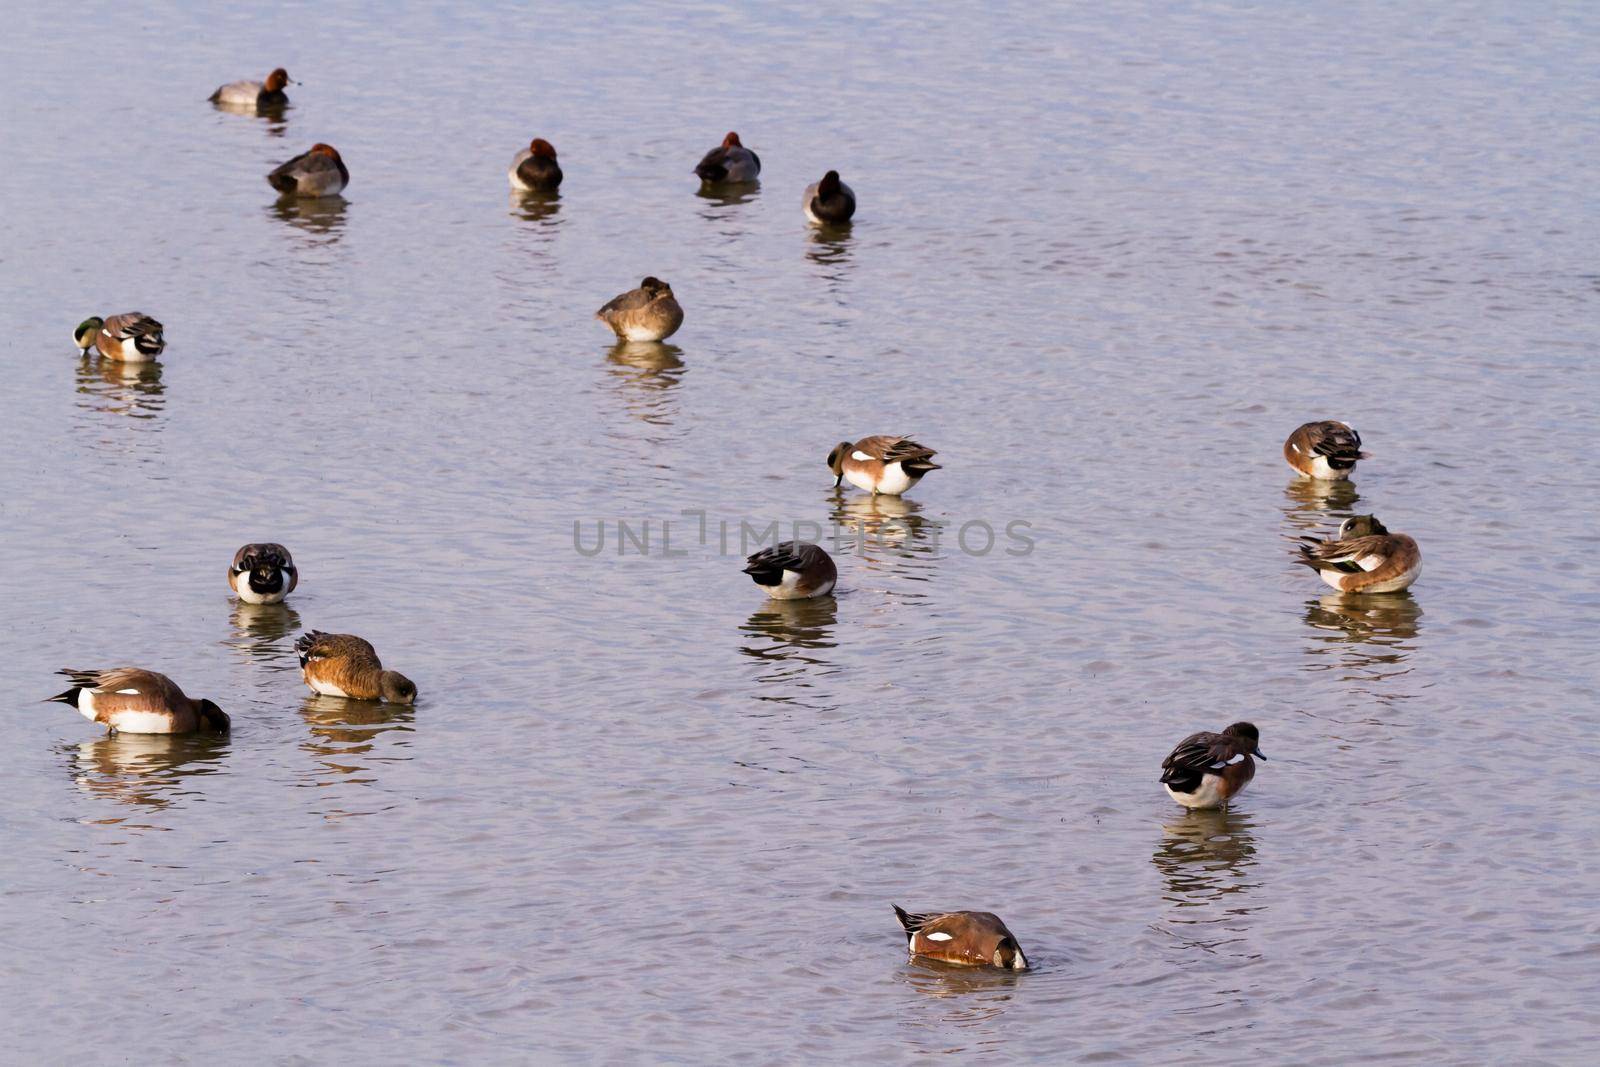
(136, 701)
(344, 665)
(966, 938)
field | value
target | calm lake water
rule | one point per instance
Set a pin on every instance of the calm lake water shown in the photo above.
(1104, 263)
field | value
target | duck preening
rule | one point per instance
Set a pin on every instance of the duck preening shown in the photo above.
(1364, 557)
(648, 313)
(1326, 450)
(317, 172)
(1207, 769)
(729, 163)
(535, 170)
(793, 570)
(829, 202)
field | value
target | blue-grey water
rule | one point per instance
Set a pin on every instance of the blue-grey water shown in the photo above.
(1106, 258)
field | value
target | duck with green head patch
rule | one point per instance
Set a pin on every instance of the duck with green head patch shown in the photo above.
(133, 337)
(1364, 557)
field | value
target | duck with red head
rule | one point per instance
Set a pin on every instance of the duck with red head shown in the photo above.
(830, 202)
(318, 172)
(730, 163)
(255, 96)
(535, 169)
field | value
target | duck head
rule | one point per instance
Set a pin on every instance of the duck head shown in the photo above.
(277, 80)
(542, 148)
(84, 335)
(1246, 732)
(328, 150)
(655, 287)
(836, 461)
(1361, 526)
(396, 688)
(829, 184)
(731, 141)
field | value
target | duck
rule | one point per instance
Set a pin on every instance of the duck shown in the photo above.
(133, 337)
(343, 665)
(267, 94)
(648, 313)
(1326, 450)
(1207, 770)
(132, 700)
(966, 938)
(729, 163)
(1364, 557)
(263, 573)
(793, 570)
(883, 463)
(317, 172)
(535, 169)
(829, 202)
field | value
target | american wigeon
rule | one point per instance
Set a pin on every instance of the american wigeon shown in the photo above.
(882, 463)
(343, 665)
(729, 163)
(1206, 770)
(968, 938)
(317, 172)
(793, 570)
(648, 313)
(1327, 450)
(535, 169)
(267, 94)
(134, 701)
(263, 573)
(131, 338)
(829, 202)
(1364, 557)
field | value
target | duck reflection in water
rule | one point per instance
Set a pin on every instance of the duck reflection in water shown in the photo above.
(537, 207)
(969, 999)
(1310, 503)
(1369, 634)
(150, 771)
(830, 249)
(262, 630)
(792, 625)
(646, 372)
(893, 523)
(348, 736)
(121, 388)
(1205, 856)
(320, 217)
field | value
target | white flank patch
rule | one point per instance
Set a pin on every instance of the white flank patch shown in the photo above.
(860, 479)
(327, 689)
(1208, 795)
(86, 704)
(1371, 563)
(1394, 585)
(895, 480)
(642, 333)
(1320, 469)
(141, 722)
(250, 596)
(939, 935)
(129, 347)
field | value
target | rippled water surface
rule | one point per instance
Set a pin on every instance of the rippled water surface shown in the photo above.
(1104, 262)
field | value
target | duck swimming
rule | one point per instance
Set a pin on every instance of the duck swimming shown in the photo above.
(882, 463)
(259, 95)
(343, 665)
(964, 938)
(263, 573)
(1326, 450)
(793, 570)
(135, 701)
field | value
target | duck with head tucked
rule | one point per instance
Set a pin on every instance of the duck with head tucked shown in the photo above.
(883, 463)
(730, 163)
(262, 96)
(131, 700)
(133, 337)
(1364, 557)
(648, 313)
(317, 172)
(535, 170)
(793, 570)
(829, 202)
(1206, 770)
(1326, 450)
(263, 573)
(343, 665)
(964, 938)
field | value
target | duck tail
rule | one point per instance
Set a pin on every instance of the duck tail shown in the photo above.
(69, 698)
(912, 923)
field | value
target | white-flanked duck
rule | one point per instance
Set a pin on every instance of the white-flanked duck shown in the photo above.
(1326, 450)
(131, 700)
(535, 170)
(829, 202)
(133, 337)
(1364, 557)
(1206, 770)
(883, 463)
(262, 96)
(793, 570)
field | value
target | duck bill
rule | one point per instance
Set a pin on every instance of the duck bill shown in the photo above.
(1258, 755)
